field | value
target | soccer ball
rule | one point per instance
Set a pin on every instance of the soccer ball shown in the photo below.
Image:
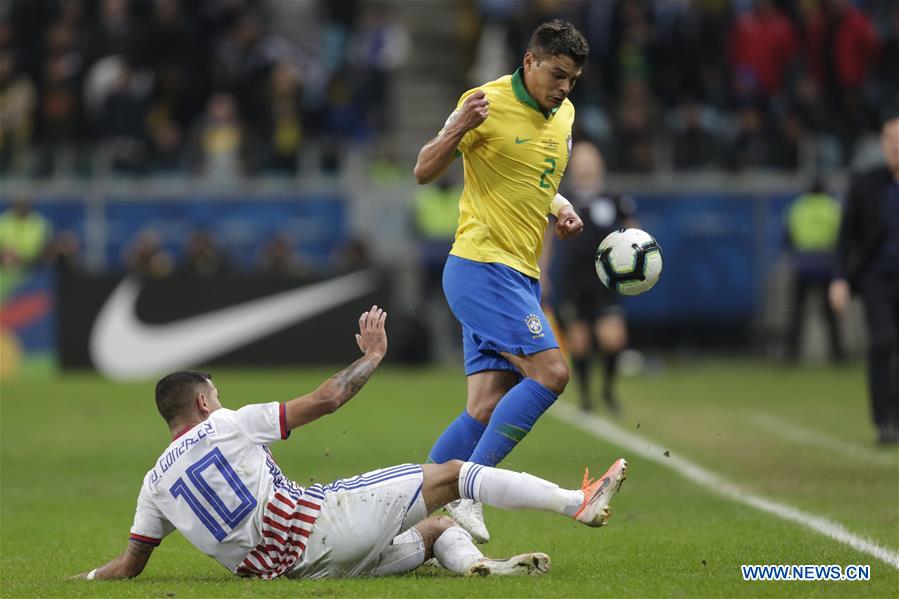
(629, 261)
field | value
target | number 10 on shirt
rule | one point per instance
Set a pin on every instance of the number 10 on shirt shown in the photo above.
(246, 501)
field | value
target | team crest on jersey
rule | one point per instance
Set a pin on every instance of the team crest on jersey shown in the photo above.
(534, 324)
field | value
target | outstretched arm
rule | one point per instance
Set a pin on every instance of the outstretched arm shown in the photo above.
(436, 155)
(340, 388)
(128, 565)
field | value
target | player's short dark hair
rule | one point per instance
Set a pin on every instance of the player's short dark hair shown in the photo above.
(559, 37)
(176, 391)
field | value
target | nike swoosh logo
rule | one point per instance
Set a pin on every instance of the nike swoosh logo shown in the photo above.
(123, 347)
(521, 141)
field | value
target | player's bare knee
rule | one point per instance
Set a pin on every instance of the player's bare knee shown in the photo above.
(452, 468)
(579, 339)
(445, 474)
(450, 475)
(481, 407)
(481, 413)
(612, 344)
(554, 376)
(441, 484)
(442, 523)
(611, 337)
(430, 530)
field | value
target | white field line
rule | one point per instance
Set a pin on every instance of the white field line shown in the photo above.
(636, 444)
(803, 436)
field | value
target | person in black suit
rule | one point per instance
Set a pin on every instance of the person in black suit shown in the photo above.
(868, 263)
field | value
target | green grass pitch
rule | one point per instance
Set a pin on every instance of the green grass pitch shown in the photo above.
(74, 450)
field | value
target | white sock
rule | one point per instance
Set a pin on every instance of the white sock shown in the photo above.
(455, 550)
(405, 553)
(516, 490)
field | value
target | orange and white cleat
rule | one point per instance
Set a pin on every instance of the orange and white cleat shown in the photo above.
(526, 564)
(595, 510)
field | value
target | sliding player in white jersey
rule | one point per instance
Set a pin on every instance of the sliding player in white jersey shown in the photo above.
(218, 485)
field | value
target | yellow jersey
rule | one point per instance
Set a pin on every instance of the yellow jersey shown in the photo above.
(513, 164)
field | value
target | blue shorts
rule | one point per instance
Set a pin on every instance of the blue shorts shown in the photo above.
(499, 309)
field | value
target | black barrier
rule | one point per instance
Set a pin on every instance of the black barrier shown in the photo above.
(137, 328)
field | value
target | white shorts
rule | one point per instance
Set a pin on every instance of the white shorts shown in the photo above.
(359, 518)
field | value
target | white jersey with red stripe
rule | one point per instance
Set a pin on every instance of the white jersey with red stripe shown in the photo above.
(218, 484)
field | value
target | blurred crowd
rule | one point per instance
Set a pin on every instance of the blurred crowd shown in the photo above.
(225, 88)
(212, 87)
(203, 255)
(28, 240)
(732, 84)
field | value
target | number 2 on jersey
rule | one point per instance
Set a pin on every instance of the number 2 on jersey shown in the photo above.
(195, 473)
(547, 171)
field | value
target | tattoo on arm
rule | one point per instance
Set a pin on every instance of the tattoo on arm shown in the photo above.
(346, 383)
(139, 550)
(133, 561)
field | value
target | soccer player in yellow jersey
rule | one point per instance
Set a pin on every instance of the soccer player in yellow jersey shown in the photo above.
(514, 135)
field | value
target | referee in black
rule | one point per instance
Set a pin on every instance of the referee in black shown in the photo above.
(591, 315)
(868, 263)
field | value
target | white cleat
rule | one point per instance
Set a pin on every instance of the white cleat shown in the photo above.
(595, 510)
(469, 515)
(526, 564)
